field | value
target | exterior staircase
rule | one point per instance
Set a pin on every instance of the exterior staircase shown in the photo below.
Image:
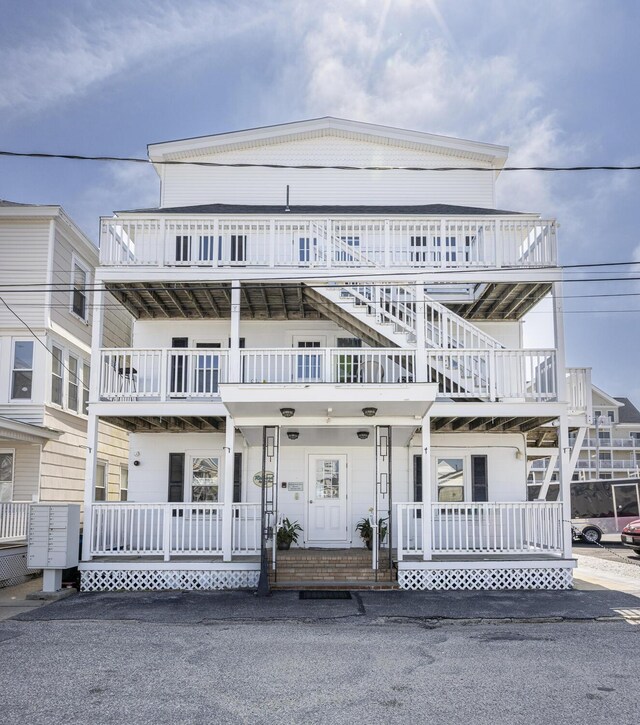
(331, 569)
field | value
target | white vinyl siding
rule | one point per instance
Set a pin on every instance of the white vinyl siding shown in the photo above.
(187, 185)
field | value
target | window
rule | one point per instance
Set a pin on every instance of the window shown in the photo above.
(307, 249)
(79, 291)
(6, 475)
(124, 483)
(309, 366)
(419, 249)
(238, 247)
(72, 400)
(204, 479)
(56, 375)
(100, 487)
(22, 374)
(604, 435)
(450, 479)
(86, 379)
(183, 249)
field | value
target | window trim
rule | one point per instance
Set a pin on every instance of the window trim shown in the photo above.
(14, 341)
(12, 452)
(81, 264)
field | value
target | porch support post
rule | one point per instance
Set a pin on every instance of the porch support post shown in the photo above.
(564, 452)
(227, 496)
(92, 423)
(234, 335)
(558, 334)
(426, 488)
(420, 371)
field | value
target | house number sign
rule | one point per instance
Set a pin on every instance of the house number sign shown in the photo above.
(257, 479)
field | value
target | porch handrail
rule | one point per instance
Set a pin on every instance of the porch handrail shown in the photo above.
(246, 528)
(14, 521)
(532, 527)
(419, 242)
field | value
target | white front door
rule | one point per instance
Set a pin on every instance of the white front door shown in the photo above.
(327, 499)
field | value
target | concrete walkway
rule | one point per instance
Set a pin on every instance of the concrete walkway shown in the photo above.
(13, 599)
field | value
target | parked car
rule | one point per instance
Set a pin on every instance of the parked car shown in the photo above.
(631, 535)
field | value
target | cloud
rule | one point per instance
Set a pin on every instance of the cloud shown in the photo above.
(73, 57)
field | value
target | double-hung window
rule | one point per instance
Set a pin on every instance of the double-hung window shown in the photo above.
(22, 370)
(72, 393)
(86, 375)
(79, 282)
(100, 488)
(57, 375)
(124, 483)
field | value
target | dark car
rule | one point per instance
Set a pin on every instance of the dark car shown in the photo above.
(631, 535)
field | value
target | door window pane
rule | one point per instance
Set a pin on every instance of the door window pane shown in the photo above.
(6, 476)
(450, 479)
(327, 479)
(204, 480)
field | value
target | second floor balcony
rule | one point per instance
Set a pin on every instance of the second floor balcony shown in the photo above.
(157, 374)
(295, 241)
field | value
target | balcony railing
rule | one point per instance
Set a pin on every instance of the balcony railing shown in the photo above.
(169, 530)
(427, 243)
(14, 521)
(178, 374)
(530, 528)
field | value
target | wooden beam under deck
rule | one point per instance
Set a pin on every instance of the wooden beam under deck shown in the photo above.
(490, 424)
(168, 424)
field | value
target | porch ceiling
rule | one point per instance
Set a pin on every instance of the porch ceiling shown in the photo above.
(502, 301)
(199, 300)
(333, 436)
(168, 424)
(482, 424)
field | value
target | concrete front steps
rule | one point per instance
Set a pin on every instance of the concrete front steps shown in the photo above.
(331, 569)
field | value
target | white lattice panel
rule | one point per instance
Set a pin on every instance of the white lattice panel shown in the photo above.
(158, 580)
(13, 570)
(486, 579)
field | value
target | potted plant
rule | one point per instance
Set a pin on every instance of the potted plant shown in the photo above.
(366, 531)
(287, 533)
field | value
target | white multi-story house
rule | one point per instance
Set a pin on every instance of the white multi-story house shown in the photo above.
(610, 442)
(46, 273)
(328, 345)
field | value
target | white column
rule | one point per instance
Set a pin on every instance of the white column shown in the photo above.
(426, 487)
(565, 483)
(234, 334)
(420, 370)
(93, 423)
(227, 495)
(558, 335)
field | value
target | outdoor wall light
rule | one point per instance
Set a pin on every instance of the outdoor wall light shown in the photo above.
(292, 435)
(363, 435)
(287, 412)
(369, 412)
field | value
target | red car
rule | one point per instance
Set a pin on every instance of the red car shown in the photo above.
(631, 535)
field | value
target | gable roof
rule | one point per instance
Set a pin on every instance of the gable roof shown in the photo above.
(628, 413)
(608, 399)
(328, 126)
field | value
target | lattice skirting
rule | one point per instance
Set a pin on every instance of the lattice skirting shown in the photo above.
(483, 579)
(13, 569)
(158, 580)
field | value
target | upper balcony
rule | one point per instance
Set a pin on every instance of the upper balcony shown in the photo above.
(311, 241)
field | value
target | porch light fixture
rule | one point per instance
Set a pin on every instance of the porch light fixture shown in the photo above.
(292, 435)
(287, 412)
(363, 435)
(369, 412)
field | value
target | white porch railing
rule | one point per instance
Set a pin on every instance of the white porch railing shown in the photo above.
(171, 529)
(485, 374)
(482, 528)
(579, 391)
(14, 521)
(427, 242)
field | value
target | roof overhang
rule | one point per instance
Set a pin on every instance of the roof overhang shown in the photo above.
(26, 432)
(327, 404)
(490, 154)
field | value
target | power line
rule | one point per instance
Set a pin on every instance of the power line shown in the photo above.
(305, 167)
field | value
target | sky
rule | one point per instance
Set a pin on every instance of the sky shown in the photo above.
(555, 80)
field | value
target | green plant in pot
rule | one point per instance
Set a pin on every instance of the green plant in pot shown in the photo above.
(287, 533)
(365, 530)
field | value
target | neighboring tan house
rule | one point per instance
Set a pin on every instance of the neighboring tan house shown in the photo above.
(47, 270)
(334, 347)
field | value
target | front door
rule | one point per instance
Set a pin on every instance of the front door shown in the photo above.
(327, 500)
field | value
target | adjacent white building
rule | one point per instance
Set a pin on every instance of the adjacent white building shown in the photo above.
(47, 269)
(326, 345)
